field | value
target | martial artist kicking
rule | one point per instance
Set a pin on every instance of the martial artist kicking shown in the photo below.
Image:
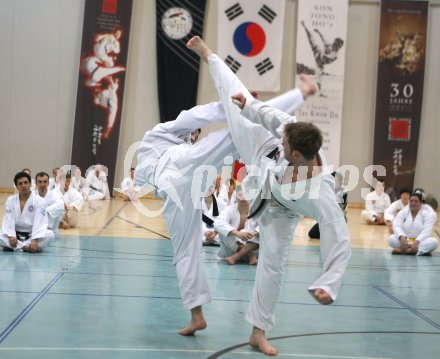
(300, 169)
(168, 160)
(24, 224)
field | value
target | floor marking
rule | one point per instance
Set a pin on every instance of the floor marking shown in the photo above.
(149, 230)
(104, 227)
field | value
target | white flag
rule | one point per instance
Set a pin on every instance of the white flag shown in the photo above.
(250, 38)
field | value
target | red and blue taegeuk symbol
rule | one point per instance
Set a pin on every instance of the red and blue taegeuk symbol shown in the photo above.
(249, 39)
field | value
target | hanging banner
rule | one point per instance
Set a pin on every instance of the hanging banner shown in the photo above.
(320, 54)
(177, 67)
(250, 40)
(399, 93)
(101, 82)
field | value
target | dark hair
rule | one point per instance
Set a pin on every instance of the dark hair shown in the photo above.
(418, 195)
(68, 175)
(232, 182)
(304, 137)
(21, 175)
(405, 190)
(41, 174)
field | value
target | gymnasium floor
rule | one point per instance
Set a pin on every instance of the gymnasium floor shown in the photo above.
(109, 290)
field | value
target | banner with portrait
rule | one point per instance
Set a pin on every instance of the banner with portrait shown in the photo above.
(399, 93)
(320, 54)
(177, 67)
(250, 41)
(101, 82)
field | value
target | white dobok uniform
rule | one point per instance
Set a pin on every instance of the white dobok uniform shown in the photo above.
(166, 161)
(375, 204)
(223, 195)
(74, 199)
(98, 188)
(55, 209)
(209, 212)
(31, 222)
(81, 185)
(420, 229)
(278, 216)
(227, 221)
(392, 210)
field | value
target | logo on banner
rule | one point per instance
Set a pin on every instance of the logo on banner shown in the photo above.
(177, 23)
(399, 129)
(249, 38)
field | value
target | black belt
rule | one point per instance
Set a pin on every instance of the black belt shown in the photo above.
(22, 236)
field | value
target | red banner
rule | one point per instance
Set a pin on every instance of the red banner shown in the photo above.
(101, 82)
(402, 44)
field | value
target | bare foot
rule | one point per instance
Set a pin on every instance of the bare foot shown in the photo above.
(199, 47)
(193, 326)
(253, 260)
(321, 296)
(307, 87)
(231, 260)
(258, 340)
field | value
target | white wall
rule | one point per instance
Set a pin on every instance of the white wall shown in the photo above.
(41, 42)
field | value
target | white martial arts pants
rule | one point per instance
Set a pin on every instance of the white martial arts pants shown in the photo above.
(42, 243)
(277, 225)
(72, 217)
(185, 223)
(95, 195)
(426, 246)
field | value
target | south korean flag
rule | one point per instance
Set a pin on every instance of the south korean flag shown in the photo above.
(250, 39)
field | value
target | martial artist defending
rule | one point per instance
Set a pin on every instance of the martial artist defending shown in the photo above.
(301, 171)
(25, 222)
(168, 160)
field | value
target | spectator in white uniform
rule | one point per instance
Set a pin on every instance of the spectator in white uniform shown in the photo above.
(395, 207)
(413, 228)
(376, 202)
(80, 183)
(130, 191)
(239, 237)
(55, 180)
(52, 200)
(24, 225)
(211, 208)
(97, 181)
(73, 203)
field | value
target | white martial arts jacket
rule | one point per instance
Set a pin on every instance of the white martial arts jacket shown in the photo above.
(229, 219)
(72, 197)
(55, 208)
(32, 220)
(80, 184)
(420, 228)
(97, 184)
(392, 210)
(165, 135)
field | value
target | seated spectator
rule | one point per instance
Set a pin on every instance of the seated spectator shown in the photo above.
(211, 208)
(227, 193)
(130, 191)
(413, 228)
(24, 225)
(97, 181)
(33, 185)
(80, 183)
(52, 200)
(395, 207)
(239, 239)
(55, 180)
(73, 203)
(376, 202)
(341, 195)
